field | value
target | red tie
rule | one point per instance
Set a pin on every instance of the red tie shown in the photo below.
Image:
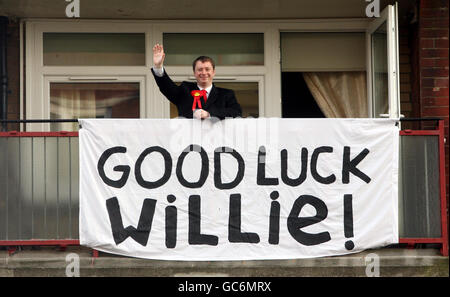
(197, 94)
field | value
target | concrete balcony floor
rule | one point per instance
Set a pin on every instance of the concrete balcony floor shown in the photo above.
(53, 261)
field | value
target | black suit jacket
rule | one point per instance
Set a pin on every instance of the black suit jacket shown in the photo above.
(221, 102)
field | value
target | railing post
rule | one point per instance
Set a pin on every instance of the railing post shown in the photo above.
(442, 182)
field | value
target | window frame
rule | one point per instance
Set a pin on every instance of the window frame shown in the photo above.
(390, 16)
(153, 104)
(259, 79)
(48, 79)
(268, 103)
(37, 74)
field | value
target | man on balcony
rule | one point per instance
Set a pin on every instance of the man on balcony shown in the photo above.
(199, 100)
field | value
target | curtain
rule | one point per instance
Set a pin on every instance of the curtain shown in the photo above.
(339, 94)
(66, 103)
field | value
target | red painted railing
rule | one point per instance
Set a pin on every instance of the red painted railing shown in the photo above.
(442, 240)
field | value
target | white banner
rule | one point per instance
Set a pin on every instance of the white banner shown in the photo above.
(238, 189)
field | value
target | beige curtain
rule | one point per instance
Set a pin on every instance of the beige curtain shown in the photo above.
(339, 94)
(71, 104)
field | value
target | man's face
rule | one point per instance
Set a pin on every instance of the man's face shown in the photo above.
(204, 73)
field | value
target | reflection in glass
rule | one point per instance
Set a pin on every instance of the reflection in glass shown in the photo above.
(92, 100)
(223, 48)
(246, 94)
(380, 71)
(94, 49)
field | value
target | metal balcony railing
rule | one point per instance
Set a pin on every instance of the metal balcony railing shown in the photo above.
(39, 178)
(422, 187)
(38, 188)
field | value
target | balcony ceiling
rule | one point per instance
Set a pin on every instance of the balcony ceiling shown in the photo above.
(195, 9)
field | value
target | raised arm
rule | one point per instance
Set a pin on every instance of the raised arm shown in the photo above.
(158, 56)
(169, 89)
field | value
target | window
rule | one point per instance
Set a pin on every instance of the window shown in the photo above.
(383, 65)
(85, 69)
(323, 51)
(323, 74)
(247, 54)
(330, 59)
(92, 100)
(223, 48)
(247, 94)
(379, 71)
(94, 49)
(240, 54)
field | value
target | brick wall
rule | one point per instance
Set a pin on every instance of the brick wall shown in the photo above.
(406, 84)
(433, 59)
(434, 55)
(13, 67)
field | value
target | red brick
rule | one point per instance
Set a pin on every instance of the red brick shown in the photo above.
(433, 3)
(441, 82)
(404, 50)
(402, 30)
(405, 107)
(405, 87)
(434, 72)
(436, 33)
(434, 92)
(434, 23)
(435, 112)
(405, 97)
(441, 43)
(439, 101)
(405, 78)
(434, 13)
(435, 82)
(434, 53)
(427, 43)
(403, 40)
(404, 59)
(433, 62)
(405, 68)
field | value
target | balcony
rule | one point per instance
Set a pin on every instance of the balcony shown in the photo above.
(40, 176)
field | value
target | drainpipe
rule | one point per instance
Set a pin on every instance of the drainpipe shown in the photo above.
(3, 72)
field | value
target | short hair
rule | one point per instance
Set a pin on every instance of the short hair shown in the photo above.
(203, 59)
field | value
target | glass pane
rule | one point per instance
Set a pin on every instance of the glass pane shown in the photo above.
(92, 100)
(246, 94)
(223, 48)
(380, 71)
(419, 204)
(320, 51)
(94, 49)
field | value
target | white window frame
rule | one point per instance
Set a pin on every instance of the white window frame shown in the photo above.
(367, 25)
(390, 16)
(38, 75)
(153, 104)
(269, 98)
(48, 79)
